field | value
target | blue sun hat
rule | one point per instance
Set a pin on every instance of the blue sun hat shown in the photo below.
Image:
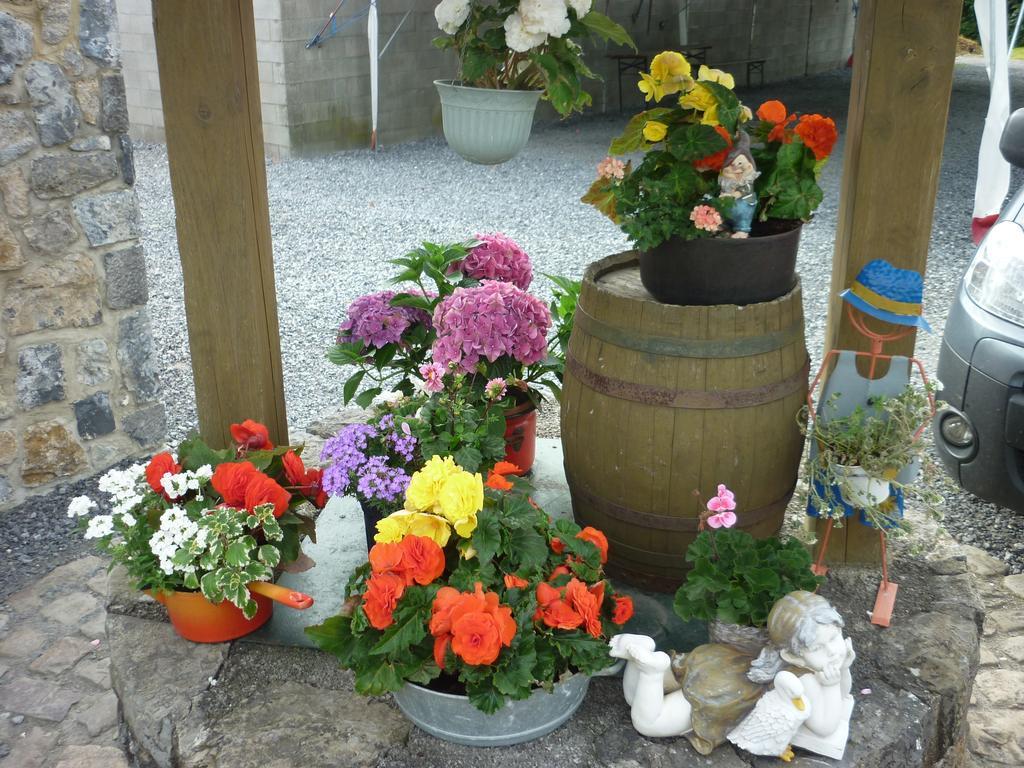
(888, 293)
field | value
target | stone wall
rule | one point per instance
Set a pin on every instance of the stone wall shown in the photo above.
(78, 383)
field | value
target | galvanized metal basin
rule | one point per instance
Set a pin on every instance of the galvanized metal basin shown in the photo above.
(453, 718)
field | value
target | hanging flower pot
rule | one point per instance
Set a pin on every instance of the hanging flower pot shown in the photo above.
(197, 619)
(453, 718)
(859, 489)
(487, 126)
(521, 435)
(722, 270)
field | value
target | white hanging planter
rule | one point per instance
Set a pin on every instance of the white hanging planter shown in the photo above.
(486, 125)
(859, 489)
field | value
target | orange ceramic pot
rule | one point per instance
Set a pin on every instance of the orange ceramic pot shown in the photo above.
(197, 619)
(521, 435)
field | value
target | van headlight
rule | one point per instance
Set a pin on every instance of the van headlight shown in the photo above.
(995, 280)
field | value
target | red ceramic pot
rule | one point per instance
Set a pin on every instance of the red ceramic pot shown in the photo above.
(197, 619)
(521, 435)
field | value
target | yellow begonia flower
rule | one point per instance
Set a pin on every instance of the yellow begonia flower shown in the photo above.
(460, 499)
(398, 525)
(425, 485)
(649, 87)
(710, 116)
(671, 70)
(708, 74)
(655, 131)
(392, 528)
(699, 98)
(745, 113)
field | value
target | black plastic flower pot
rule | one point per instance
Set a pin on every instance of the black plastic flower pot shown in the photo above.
(723, 270)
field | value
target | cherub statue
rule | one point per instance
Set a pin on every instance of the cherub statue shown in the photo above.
(736, 180)
(717, 692)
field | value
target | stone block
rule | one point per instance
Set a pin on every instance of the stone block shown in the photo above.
(135, 353)
(6, 491)
(56, 18)
(98, 33)
(52, 232)
(63, 294)
(93, 362)
(71, 609)
(18, 44)
(64, 175)
(94, 416)
(96, 671)
(126, 277)
(113, 107)
(91, 143)
(71, 61)
(127, 159)
(33, 748)
(61, 656)
(1015, 584)
(88, 93)
(16, 135)
(97, 716)
(50, 453)
(10, 249)
(146, 426)
(14, 190)
(37, 698)
(91, 756)
(40, 375)
(53, 103)
(8, 447)
(110, 217)
(24, 641)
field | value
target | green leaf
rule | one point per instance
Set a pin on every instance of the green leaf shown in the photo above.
(403, 634)
(487, 536)
(728, 105)
(363, 399)
(517, 676)
(607, 29)
(632, 138)
(334, 636)
(378, 680)
(529, 549)
(692, 142)
(237, 554)
(269, 555)
(485, 697)
(468, 457)
(476, 61)
(352, 385)
(193, 453)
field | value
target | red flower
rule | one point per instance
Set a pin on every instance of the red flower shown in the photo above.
(560, 570)
(306, 481)
(714, 162)
(772, 112)
(251, 435)
(623, 611)
(231, 481)
(515, 582)
(387, 558)
(383, 592)
(475, 624)
(263, 490)
(596, 538)
(159, 466)
(553, 610)
(422, 559)
(557, 546)
(819, 134)
(587, 603)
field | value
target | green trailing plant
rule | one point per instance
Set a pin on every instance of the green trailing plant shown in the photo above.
(565, 297)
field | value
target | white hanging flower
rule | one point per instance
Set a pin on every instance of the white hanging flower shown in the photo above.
(450, 14)
(204, 473)
(176, 528)
(100, 527)
(518, 38)
(582, 7)
(128, 520)
(550, 17)
(80, 505)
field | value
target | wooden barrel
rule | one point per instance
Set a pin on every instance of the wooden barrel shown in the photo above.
(660, 401)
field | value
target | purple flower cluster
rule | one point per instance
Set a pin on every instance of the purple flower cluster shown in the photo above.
(498, 257)
(360, 456)
(373, 321)
(490, 320)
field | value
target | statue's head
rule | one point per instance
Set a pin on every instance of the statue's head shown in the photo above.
(739, 163)
(804, 631)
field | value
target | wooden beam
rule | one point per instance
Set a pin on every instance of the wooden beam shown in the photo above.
(209, 84)
(903, 57)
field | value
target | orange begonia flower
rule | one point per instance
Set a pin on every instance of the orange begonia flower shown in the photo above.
(819, 134)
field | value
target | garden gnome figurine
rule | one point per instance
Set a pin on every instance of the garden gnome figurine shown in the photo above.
(736, 180)
(716, 692)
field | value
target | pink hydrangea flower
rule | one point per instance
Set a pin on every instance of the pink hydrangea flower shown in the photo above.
(495, 389)
(707, 218)
(373, 321)
(497, 257)
(433, 377)
(611, 168)
(488, 321)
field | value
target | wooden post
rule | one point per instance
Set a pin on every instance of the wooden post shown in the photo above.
(206, 51)
(903, 57)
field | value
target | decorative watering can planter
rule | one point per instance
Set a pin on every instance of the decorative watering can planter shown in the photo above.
(453, 718)
(487, 126)
(521, 436)
(197, 619)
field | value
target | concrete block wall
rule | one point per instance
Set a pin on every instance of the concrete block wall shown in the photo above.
(78, 373)
(142, 81)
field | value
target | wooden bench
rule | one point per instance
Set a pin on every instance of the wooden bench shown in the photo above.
(635, 63)
(753, 66)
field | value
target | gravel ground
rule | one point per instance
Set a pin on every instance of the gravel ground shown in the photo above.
(337, 219)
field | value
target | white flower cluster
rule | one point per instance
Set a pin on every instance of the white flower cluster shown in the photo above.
(536, 20)
(123, 487)
(80, 505)
(450, 14)
(176, 486)
(99, 527)
(176, 528)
